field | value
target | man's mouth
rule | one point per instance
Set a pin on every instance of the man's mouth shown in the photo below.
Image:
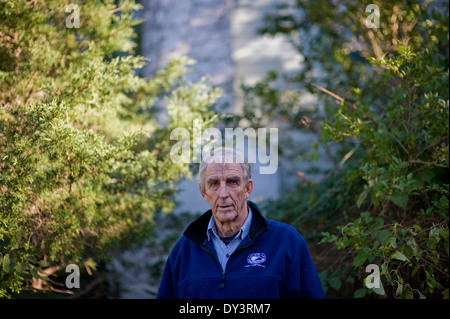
(225, 206)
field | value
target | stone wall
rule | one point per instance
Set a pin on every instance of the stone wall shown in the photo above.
(199, 29)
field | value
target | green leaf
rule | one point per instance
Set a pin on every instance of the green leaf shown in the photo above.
(399, 199)
(445, 293)
(407, 294)
(393, 242)
(35, 273)
(359, 293)
(412, 243)
(415, 269)
(323, 275)
(362, 197)
(9, 261)
(384, 236)
(435, 233)
(360, 259)
(399, 256)
(335, 283)
(6, 263)
(428, 175)
(20, 267)
(380, 290)
(366, 216)
(399, 290)
(351, 279)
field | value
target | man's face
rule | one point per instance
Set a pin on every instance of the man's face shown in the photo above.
(226, 192)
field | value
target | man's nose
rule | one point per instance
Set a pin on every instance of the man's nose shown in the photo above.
(223, 192)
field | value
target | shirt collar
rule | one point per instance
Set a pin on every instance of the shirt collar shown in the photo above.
(245, 229)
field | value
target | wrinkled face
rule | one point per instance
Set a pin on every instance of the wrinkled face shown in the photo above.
(226, 192)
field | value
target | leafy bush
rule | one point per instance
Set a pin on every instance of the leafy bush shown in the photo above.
(83, 161)
(385, 90)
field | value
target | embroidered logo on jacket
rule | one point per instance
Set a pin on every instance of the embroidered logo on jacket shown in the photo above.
(256, 259)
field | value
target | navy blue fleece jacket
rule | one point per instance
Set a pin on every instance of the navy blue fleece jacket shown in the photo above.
(272, 262)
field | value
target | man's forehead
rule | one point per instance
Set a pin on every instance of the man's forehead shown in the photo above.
(223, 170)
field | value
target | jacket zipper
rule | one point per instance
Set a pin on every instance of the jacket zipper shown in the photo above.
(222, 280)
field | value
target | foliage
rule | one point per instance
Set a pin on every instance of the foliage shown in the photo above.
(386, 105)
(84, 163)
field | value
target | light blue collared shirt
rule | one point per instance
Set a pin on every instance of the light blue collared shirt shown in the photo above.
(224, 251)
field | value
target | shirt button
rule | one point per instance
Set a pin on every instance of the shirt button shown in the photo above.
(227, 255)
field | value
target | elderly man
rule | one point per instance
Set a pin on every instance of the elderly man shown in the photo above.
(232, 251)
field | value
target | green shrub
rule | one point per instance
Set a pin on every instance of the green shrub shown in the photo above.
(385, 202)
(83, 161)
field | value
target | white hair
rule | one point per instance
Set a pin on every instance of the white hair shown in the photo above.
(224, 155)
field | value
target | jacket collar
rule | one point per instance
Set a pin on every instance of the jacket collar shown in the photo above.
(196, 231)
(243, 231)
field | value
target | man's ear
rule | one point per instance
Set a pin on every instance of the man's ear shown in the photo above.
(202, 192)
(249, 188)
